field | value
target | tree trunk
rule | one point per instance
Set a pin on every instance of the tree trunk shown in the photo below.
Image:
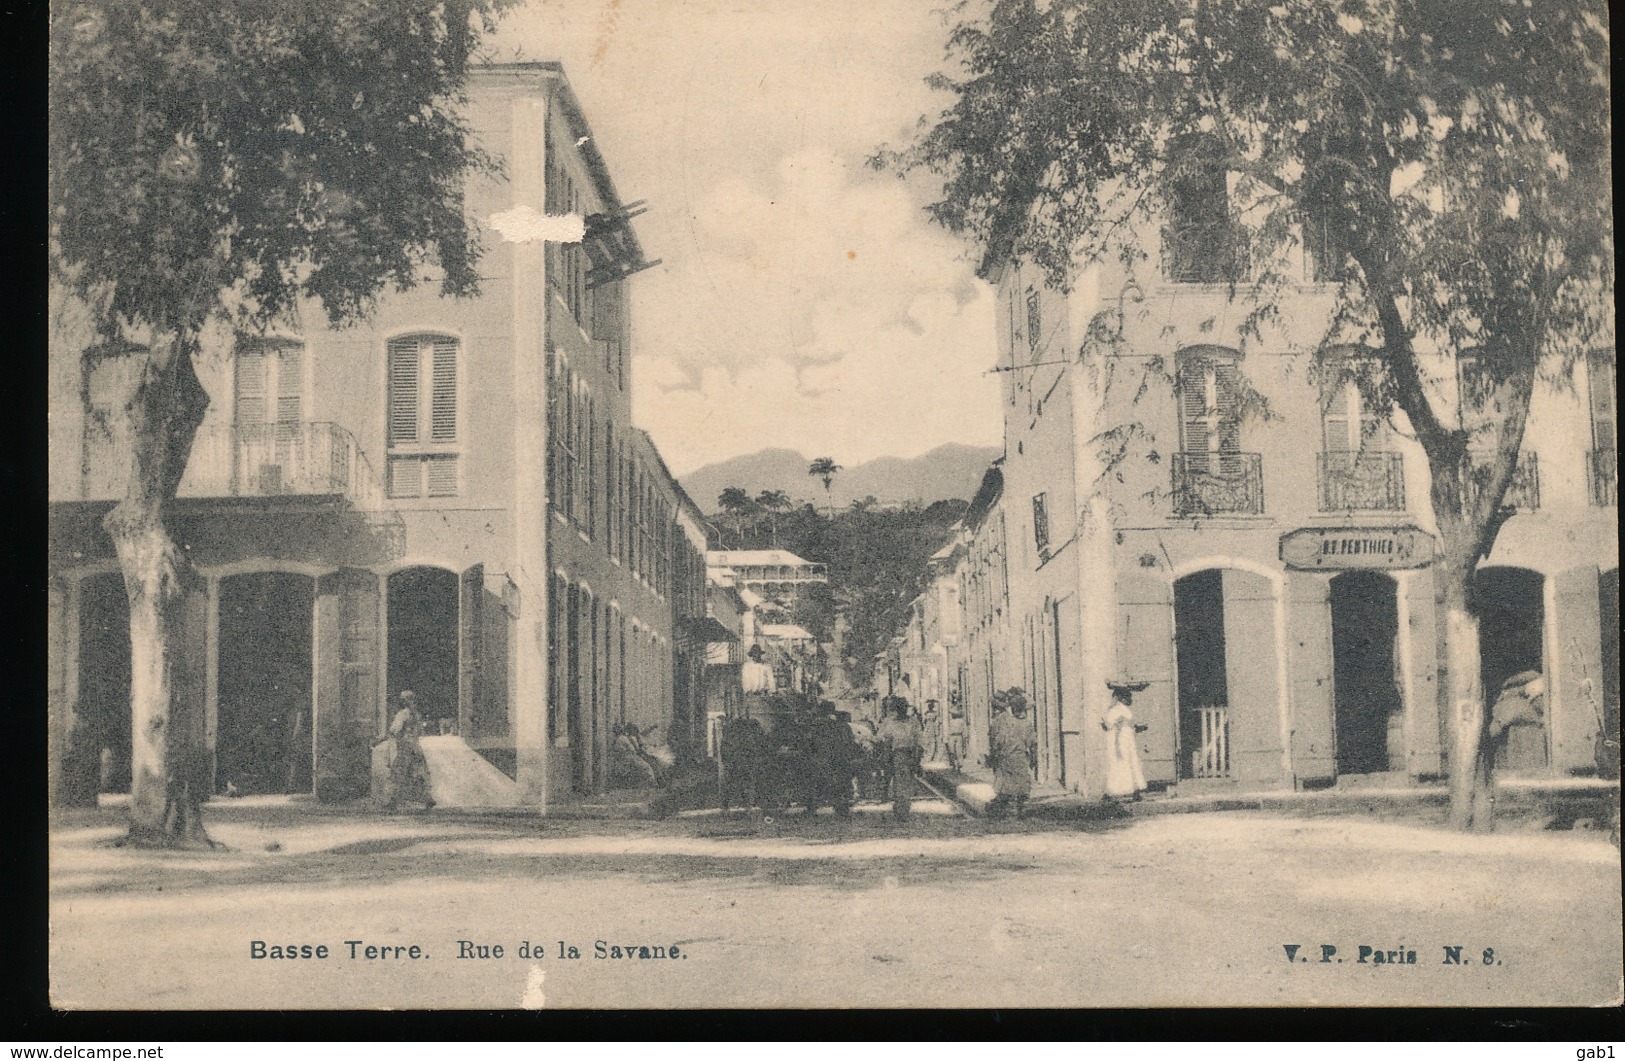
(1472, 792)
(169, 761)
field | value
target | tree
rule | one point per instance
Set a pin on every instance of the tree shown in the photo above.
(737, 503)
(773, 502)
(825, 469)
(212, 165)
(1451, 161)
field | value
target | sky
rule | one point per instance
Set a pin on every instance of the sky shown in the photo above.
(803, 300)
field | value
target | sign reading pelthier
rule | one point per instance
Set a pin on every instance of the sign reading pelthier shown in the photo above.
(1356, 548)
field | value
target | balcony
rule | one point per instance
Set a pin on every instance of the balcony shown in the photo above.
(1361, 482)
(1205, 254)
(302, 459)
(1209, 484)
(1602, 475)
(1523, 492)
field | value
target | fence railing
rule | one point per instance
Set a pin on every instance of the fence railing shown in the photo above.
(1602, 475)
(1214, 483)
(304, 458)
(1211, 757)
(1371, 482)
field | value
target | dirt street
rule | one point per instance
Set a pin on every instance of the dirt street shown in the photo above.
(1167, 911)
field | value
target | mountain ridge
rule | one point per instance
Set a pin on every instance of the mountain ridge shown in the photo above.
(951, 470)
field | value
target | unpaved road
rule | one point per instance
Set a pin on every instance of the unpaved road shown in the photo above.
(1169, 911)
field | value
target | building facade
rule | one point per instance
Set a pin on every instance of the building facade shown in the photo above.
(449, 498)
(1211, 509)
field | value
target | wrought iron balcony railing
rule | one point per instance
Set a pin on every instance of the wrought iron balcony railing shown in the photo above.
(1208, 484)
(1205, 254)
(258, 460)
(1363, 482)
(1602, 474)
(1523, 492)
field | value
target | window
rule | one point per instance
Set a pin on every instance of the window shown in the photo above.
(1210, 420)
(1604, 414)
(1035, 324)
(423, 416)
(1349, 425)
(1202, 243)
(270, 385)
(1041, 524)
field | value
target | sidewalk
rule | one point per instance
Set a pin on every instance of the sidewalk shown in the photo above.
(1564, 799)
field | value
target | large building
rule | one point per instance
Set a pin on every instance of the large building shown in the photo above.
(450, 498)
(1215, 512)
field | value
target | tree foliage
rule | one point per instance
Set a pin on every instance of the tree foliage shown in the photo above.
(263, 151)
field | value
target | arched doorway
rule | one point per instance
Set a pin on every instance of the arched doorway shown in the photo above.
(263, 737)
(423, 626)
(99, 741)
(1511, 630)
(1204, 696)
(1368, 708)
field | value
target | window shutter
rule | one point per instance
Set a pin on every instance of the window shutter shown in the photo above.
(403, 391)
(250, 388)
(1227, 398)
(443, 392)
(1338, 421)
(1604, 412)
(1194, 412)
(442, 475)
(405, 477)
(290, 384)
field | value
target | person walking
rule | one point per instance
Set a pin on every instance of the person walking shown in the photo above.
(834, 760)
(1124, 777)
(900, 737)
(1013, 754)
(408, 769)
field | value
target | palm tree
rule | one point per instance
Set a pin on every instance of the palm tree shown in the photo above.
(773, 502)
(825, 469)
(736, 503)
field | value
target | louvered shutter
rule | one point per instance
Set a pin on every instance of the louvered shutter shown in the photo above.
(250, 388)
(442, 476)
(1604, 416)
(1338, 418)
(443, 392)
(290, 384)
(403, 391)
(1194, 413)
(1227, 412)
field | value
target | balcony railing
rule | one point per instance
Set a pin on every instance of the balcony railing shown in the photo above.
(1208, 484)
(1602, 474)
(259, 460)
(1364, 482)
(1205, 254)
(1523, 492)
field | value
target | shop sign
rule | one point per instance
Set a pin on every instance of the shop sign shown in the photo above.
(1356, 548)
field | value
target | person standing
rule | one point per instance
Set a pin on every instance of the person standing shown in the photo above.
(900, 737)
(1012, 752)
(408, 769)
(1124, 777)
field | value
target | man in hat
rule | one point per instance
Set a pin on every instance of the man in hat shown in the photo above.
(1124, 778)
(899, 735)
(1012, 752)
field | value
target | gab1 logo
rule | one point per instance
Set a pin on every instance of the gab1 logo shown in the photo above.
(1592, 1053)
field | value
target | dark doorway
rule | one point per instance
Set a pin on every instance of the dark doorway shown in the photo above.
(423, 624)
(1204, 696)
(1511, 627)
(577, 732)
(1369, 709)
(263, 741)
(99, 744)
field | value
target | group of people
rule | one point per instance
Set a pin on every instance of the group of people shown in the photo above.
(1013, 749)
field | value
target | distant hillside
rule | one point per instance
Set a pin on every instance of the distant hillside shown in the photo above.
(949, 471)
